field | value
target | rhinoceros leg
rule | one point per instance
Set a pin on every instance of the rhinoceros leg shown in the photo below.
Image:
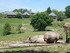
(55, 41)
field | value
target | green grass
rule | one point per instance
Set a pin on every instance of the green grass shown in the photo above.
(23, 36)
(57, 26)
(40, 49)
(14, 21)
(20, 37)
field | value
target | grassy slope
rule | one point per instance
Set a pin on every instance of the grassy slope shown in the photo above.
(14, 21)
(19, 37)
(24, 36)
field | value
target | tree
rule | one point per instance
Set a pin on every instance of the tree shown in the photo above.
(16, 10)
(40, 21)
(7, 29)
(18, 15)
(60, 17)
(67, 12)
(22, 10)
(48, 10)
(55, 11)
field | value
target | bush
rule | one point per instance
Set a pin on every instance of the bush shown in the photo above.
(60, 16)
(18, 28)
(40, 21)
(67, 11)
(7, 29)
(18, 15)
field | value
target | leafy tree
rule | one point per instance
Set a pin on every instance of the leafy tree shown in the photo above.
(40, 21)
(22, 10)
(25, 10)
(48, 10)
(55, 11)
(67, 12)
(18, 15)
(7, 29)
(15, 10)
(60, 17)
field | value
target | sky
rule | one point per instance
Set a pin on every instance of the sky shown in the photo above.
(34, 5)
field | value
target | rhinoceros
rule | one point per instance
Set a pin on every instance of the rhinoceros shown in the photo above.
(52, 37)
(36, 39)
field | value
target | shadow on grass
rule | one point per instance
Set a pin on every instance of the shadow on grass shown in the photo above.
(26, 51)
(68, 52)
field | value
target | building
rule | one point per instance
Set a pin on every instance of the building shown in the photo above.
(53, 15)
(9, 14)
(26, 15)
(13, 14)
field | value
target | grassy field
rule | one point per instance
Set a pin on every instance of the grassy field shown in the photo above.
(57, 26)
(15, 37)
(40, 49)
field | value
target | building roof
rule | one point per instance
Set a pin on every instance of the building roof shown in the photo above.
(9, 13)
(26, 13)
(52, 14)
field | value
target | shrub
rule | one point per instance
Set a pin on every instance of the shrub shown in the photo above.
(7, 29)
(40, 21)
(18, 15)
(18, 28)
(67, 11)
(60, 18)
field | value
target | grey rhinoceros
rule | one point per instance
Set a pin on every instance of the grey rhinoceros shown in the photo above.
(52, 37)
(36, 39)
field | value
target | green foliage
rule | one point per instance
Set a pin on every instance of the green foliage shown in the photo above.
(40, 21)
(67, 12)
(55, 11)
(7, 29)
(18, 28)
(22, 10)
(18, 15)
(60, 16)
(48, 10)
